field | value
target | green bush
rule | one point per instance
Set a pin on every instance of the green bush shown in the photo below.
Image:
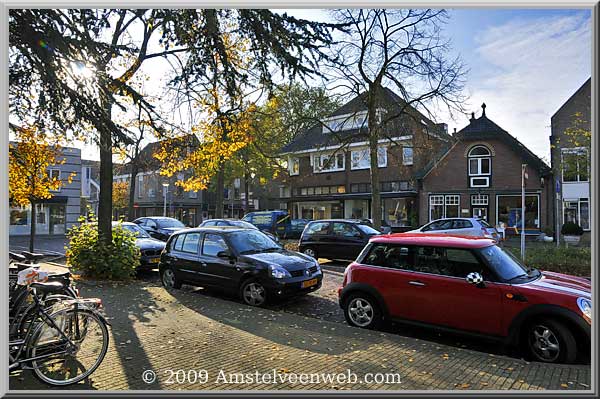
(571, 229)
(88, 255)
(568, 260)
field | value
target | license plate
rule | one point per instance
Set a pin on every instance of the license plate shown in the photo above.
(309, 283)
(155, 260)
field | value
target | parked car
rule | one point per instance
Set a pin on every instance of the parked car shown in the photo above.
(234, 222)
(159, 227)
(385, 227)
(241, 261)
(460, 226)
(468, 284)
(296, 228)
(150, 248)
(335, 238)
(275, 222)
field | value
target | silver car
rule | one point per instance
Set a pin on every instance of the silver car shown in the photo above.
(460, 226)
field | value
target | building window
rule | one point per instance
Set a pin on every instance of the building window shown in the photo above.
(577, 211)
(284, 192)
(345, 122)
(444, 206)
(193, 194)
(575, 166)
(329, 162)
(140, 186)
(361, 159)
(509, 211)
(294, 166)
(400, 212)
(18, 216)
(407, 155)
(480, 199)
(54, 174)
(303, 191)
(480, 166)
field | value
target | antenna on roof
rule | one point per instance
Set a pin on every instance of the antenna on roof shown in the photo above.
(483, 107)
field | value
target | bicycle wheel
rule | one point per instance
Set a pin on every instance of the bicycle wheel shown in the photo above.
(65, 361)
(30, 315)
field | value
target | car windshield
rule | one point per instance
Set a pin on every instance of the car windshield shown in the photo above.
(252, 241)
(169, 223)
(241, 223)
(137, 230)
(368, 230)
(506, 265)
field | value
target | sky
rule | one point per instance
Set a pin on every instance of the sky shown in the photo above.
(523, 63)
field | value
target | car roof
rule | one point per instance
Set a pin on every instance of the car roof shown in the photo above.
(434, 240)
(457, 218)
(225, 219)
(355, 221)
(114, 223)
(155, 217)
(227, 229)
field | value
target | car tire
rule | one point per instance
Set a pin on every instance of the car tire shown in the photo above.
(362, 310)
(169, 279)
(550, 341)
(310, 251)
(253, 293)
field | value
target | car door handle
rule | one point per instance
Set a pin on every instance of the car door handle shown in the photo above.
(417, 283)
(203, 264)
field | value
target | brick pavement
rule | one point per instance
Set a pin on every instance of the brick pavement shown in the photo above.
(153, 329)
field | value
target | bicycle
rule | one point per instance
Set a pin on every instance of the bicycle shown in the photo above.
(67, 342)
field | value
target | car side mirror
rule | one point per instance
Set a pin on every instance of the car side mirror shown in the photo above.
(476, 279)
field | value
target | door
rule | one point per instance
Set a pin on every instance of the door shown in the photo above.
(317, 236)
(346, 241)
(184, 256)
(457, 303)
(214, 270)
(480, 212)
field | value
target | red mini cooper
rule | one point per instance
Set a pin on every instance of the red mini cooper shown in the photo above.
(468, 284)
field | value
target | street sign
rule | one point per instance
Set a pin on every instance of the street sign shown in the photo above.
(557, 185)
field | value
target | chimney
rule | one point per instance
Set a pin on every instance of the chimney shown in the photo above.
(454, 130)
(472, 116)
(483, 107)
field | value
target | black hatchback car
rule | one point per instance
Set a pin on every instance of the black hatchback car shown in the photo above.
(335, 238)
(242, 261)
(159, 227)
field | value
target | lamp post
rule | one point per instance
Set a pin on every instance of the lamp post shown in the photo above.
(165, 189)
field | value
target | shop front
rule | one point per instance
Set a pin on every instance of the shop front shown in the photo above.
(50, 219)
(318, 210)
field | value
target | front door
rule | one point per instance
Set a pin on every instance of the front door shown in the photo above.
(480, 212)
(217, 271)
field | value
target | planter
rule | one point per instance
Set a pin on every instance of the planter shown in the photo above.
(573, 240)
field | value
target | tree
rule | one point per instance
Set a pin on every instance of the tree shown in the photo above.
(120, 194)
(402, 49)
(28, 179)
(74, 67)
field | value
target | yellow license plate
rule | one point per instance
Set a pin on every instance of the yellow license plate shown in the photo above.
(309, 283)
(155, 260)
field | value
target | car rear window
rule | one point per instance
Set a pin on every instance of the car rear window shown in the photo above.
(462, 224)
(190, 243)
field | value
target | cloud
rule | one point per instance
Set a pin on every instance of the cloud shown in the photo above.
(526, 69)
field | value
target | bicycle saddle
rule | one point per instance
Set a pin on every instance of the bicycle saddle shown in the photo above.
(32, 256)
(50, 287)
(17, 257)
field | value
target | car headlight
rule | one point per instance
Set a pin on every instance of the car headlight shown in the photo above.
(585, 305)
(279, 272)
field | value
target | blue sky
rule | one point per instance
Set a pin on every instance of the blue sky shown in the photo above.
(524, 64)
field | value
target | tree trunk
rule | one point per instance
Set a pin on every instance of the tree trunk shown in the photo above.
(219, 194)
(32, 231)
(106, 182)
(373, 126)
(132, 181)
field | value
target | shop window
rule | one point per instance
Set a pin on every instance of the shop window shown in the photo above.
(509, 211)
(18, 217)
(400, 212)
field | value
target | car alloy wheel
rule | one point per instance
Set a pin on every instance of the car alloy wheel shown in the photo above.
(254, 294)
(310, 252)
(544, 343)
(169, 279)
(361, 312)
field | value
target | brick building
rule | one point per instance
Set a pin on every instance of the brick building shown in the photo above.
(570, 162)
(328, 164)
(480, 176)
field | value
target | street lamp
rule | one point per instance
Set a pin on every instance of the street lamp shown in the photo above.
(165, 189)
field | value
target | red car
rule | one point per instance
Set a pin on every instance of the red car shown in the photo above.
(468, 284)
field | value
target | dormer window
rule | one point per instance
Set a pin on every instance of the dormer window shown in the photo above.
(480, 166)
(339, 123)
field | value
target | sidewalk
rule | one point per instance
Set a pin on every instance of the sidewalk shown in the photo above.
(43, 244)
(173, 333)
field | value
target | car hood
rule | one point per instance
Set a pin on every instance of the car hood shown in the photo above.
(171, 230)
(289, 260)
(149, 243)
(577, 286)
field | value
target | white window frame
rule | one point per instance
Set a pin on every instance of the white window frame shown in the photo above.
(579, 151)
(140, 186)
(50, 171)
(407, 159)
(340, 123)
(480, 199)
(365, 158)
(443, 200)
(319, 159)
(478, 174)
(293, 161)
